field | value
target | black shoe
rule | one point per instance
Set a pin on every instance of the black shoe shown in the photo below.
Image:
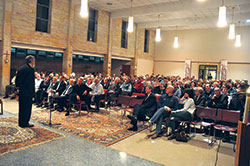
(25, 126)
(95, 110)
(13, 97)
(67, 113)
(39, 105)
(226, 139)
(156, 136)
(134, 128)
(171, 137)
(59, 109)
(5, 97)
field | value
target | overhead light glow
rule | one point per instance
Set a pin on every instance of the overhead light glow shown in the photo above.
(237, 41)
(231, 34)
(222, 19)
(84, 9)
(130, 24)
(158, 35)
(248, 20)
(176, 42)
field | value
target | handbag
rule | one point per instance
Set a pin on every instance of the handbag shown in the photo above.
(181, 136)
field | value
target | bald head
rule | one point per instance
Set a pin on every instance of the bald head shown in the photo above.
(169, 90)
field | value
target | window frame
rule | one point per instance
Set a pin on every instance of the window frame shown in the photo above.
(95, 21)
(42, 19)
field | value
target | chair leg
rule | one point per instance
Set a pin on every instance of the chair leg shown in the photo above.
(87, 107)
(1, 113)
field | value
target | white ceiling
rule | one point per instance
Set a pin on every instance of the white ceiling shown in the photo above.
(186, 14)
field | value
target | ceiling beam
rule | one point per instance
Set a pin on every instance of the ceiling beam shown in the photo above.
(182, 5)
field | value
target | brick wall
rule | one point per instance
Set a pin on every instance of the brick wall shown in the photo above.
(1, 18)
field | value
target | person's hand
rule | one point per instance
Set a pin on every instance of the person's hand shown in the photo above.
(173, 112)
(213, 97)
(85, 92)
(77, 97)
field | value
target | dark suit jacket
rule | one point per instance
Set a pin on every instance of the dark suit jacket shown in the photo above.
(200, 101)
(220, 102)
(61, 87)
(44, 85)
(25, 81)
(149, 104)
(78, 90)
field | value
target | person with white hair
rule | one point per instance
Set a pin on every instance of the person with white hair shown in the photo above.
(97, 93)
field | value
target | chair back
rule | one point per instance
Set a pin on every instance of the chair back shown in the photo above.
(228, 115)
(134, 101)
(138, 94)
(205, 112)
(125, 100)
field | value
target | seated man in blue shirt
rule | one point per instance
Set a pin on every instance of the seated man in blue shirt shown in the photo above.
(166, 104)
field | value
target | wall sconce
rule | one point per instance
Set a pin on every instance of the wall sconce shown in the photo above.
(69, 65)
(6, 57)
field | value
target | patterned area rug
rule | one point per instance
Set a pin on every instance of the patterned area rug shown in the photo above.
(13, 137)
(102, 128)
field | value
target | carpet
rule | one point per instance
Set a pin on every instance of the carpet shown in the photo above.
(14, 138)
(101, 128)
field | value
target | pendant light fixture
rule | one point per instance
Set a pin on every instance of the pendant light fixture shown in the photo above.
(231, 34)
(238, 38)
(222, 19)
(158, 32)
(176, 39)
(130, 20)
(84, 9)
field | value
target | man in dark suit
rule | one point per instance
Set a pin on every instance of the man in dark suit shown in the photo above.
(148, 107)
(25, 83)
(62, 99)
(218, 100)
(58, 90)
(80, 92)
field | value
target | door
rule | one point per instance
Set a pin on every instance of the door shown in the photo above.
(208, 72)
(126, 69)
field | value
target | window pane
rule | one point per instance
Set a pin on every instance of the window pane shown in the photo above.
(91, 36)
(13, 50)
(91, 58)
(21, 52)
(31, 52)
(41, 25)
(58, 55)
(50, 55)
(43, 2)
(42, 54)
(92, 25)
(42, 12)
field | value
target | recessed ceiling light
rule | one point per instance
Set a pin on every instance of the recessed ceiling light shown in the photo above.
(109, 3)
(248, 20)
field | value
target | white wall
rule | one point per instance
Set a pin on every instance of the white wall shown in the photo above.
(144, 66)
(203, 46)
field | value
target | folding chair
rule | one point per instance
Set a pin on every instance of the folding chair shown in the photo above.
(105, 99)
(123, 101)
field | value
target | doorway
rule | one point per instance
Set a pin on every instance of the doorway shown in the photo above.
(208, 72)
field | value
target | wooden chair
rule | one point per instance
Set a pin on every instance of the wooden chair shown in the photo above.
(79, 104)
(105, 99)
(228, 116)
(205, 113)
(1, 102)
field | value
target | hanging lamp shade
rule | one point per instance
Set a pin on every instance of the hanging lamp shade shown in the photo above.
(84, 9)
(176, 42)
(231, 34)
(222, 19)
(158, 35)
(130, 24)
(238, 41)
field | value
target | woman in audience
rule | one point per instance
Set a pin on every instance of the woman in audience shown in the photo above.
(184, 114)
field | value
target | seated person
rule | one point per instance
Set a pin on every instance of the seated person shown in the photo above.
(113, 91)
(105, 83)
(138, 86)
(42, 91)
(238, 101)
(126, 87)
(60, 87)
(177, 90)
(218, 100)
(160, 89)
(62, 99)
(10, 89)
(184, 114)
(50, 91)
(208, 93)
(80, 93)
(167, 102)
(97, 93)
(199, 99)
(148, 107)
(38, 81)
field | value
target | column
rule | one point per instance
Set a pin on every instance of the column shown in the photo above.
(67, 56)
(5, 46)
(223, 69)
(187, 71)
(108, 56)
